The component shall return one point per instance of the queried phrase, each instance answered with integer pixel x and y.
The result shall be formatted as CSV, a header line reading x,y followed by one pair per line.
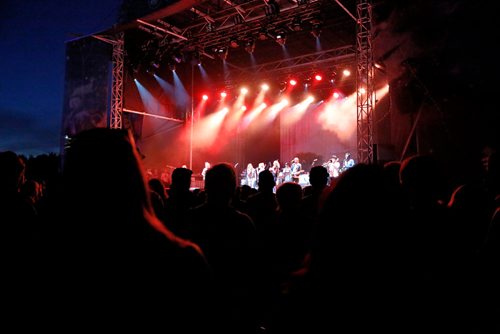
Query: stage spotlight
x,y
222,52
281,37
171,66
250,45
316,25
293,82
262,34
196,58
223,94
307,82
333,75
177,56
283,86
244,90
296,24
234,43
205,97
265,87
380,66
346,72
316,30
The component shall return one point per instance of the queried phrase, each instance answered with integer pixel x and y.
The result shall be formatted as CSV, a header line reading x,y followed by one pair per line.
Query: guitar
x,y
296,174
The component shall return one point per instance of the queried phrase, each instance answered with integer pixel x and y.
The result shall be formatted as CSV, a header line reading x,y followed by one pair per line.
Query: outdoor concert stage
x,y
244,82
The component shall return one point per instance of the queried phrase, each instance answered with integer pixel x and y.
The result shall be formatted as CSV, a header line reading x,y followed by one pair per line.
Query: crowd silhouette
x,y
393,248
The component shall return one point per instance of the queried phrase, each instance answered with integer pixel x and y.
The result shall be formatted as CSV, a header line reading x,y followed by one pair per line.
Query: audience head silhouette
x,y
114,248
11,172
318,176
103,177
181,179
220,184
266,180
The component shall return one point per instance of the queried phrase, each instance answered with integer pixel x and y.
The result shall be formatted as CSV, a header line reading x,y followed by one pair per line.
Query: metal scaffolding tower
x,y
117,85
116,112
365,95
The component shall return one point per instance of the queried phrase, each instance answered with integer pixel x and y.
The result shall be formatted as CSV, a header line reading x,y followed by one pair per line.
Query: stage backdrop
x,y
320,132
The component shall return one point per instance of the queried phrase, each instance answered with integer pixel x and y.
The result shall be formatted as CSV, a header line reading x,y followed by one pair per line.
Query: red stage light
x,y
205,97
293,82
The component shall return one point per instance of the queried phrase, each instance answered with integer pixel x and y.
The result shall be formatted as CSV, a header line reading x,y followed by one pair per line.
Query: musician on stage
x,y
348,162
251,176
296,169
205,169
260,168
333,167
287,176
275,170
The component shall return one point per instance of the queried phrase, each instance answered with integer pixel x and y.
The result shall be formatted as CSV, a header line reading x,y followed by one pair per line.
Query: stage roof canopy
x,y
250,36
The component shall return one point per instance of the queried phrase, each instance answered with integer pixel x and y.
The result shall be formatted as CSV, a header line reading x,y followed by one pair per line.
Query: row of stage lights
x,y
290,83
263,88
316,77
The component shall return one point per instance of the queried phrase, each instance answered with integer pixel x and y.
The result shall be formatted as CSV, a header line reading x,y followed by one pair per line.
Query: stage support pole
x,y
192,120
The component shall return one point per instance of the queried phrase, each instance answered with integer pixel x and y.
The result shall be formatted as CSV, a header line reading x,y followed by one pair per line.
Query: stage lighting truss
x,y
222,29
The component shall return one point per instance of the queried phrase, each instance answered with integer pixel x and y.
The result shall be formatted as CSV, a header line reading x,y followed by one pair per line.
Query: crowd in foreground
x,y
381,248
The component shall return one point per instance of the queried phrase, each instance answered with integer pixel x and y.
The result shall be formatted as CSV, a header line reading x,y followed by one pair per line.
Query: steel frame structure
x,y
213,30
242,22
237,21
304,63
365,93
116,112
117,58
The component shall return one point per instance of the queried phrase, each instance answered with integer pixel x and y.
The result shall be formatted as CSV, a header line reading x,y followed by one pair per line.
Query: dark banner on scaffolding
x,y
86,86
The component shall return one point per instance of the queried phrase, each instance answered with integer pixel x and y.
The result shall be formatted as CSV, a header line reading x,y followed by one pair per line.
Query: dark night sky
x,y
32,43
